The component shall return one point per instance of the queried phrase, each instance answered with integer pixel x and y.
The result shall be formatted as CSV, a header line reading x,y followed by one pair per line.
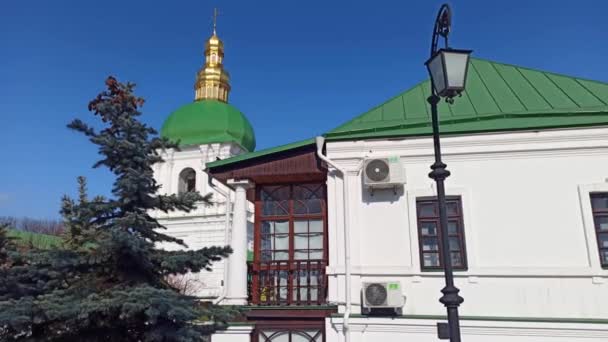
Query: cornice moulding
x,y
473,327
513,142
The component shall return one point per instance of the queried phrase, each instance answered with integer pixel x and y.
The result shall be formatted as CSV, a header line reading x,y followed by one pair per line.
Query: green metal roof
x,y
498,97
209,121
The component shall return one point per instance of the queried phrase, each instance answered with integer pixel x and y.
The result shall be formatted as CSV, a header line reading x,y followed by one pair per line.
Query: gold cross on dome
x,y
215,13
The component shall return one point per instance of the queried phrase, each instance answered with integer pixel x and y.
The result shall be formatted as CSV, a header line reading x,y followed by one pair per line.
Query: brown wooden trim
x,y
289,314
298,165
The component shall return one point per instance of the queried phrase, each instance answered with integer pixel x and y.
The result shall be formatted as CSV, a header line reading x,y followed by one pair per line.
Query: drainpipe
x,y
320,141
227,232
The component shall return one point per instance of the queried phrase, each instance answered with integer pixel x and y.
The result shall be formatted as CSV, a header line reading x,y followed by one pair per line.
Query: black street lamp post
x,y
447,69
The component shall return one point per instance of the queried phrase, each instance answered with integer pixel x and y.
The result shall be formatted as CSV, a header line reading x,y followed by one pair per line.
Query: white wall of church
x,y
207,225
530,239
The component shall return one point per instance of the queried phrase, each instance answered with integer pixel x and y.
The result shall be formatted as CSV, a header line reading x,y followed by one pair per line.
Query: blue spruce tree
x,y
107,282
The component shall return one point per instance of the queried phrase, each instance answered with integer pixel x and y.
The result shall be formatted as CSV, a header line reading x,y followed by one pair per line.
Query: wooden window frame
x,y
599,212
291,266
460,232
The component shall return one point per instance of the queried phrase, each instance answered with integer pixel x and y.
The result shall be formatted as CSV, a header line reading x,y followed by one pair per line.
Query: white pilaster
x,y
237,261
170,161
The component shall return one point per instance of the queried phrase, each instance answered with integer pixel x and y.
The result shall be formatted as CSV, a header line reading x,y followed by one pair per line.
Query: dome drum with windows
x,y
210,119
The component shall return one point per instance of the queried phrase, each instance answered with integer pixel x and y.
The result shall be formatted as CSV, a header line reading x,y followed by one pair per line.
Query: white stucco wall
x,y
206,225
236,333
425,330
530,241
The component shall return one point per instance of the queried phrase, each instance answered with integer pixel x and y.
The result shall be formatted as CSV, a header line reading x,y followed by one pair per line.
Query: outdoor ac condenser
x,y
382,298
382,173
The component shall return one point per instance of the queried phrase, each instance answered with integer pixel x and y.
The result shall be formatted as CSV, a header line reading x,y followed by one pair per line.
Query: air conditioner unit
x,y
379,173
382,298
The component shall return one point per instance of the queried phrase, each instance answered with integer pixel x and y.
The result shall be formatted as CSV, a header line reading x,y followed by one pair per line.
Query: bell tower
x,y
208,129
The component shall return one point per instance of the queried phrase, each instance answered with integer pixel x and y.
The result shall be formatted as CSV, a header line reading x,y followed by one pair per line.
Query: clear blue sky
x,y
298,68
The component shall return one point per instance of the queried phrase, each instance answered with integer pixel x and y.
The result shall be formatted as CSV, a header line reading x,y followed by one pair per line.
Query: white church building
x,y
313,226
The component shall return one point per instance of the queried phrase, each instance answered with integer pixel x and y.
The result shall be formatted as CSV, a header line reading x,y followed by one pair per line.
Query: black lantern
x,y
448,70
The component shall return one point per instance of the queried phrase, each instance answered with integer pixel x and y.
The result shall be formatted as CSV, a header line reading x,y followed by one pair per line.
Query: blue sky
x,y
298,68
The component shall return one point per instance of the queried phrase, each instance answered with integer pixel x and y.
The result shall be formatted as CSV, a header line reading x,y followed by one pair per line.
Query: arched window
x,y
293,335
187,180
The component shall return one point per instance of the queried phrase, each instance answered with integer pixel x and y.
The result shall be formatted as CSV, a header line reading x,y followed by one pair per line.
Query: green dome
x,y
209,121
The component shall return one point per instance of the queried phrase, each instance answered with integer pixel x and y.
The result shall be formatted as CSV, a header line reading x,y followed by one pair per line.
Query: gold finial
x,y
212,81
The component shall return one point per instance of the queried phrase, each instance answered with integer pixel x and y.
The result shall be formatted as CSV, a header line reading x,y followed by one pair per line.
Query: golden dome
x,y
214,40
212,81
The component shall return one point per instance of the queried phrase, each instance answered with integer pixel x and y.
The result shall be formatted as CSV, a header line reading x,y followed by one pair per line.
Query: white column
x,y
237,261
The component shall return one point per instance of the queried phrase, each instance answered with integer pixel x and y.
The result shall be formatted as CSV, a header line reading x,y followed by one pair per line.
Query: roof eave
x,y
252,156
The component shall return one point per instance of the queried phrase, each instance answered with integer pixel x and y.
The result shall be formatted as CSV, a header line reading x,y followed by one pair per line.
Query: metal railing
x,y
287,282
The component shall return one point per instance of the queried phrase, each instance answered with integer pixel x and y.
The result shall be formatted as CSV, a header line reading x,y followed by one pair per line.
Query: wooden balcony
x,y
287,283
